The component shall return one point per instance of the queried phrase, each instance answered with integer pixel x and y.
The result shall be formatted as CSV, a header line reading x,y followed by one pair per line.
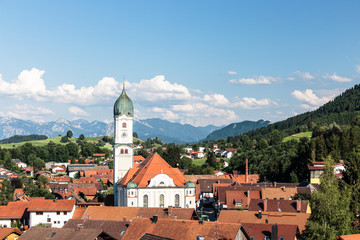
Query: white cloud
x,y
30,84
27,112
232,72
304,75
158,88
216,99
253,103
255,80
77,111
310,98
337,78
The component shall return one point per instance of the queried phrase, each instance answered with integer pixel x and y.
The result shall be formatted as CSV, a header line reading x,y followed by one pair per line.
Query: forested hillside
x,y
340,110
21,138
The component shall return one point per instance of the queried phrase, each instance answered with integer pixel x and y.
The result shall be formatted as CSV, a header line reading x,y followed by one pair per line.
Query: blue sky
x,y
197,62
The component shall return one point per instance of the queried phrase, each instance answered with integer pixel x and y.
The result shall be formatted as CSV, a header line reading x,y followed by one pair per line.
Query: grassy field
x,y
199,162
56,140
298,136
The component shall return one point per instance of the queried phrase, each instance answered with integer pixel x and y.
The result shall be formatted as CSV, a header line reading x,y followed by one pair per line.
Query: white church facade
x,y
154,183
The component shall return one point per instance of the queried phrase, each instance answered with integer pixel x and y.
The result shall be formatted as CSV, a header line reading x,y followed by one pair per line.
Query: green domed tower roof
x,y
189,184
131,185
123,105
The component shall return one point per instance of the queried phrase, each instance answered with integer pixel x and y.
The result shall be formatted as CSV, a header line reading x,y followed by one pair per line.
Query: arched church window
x,y
146,200
126,151
124,125
177,200
161,200
122,151
161,183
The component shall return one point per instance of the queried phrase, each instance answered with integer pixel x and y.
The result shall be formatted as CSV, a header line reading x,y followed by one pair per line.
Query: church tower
x,y
123,139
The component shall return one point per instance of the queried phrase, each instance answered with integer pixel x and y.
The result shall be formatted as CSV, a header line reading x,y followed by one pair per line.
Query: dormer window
x,y
161,183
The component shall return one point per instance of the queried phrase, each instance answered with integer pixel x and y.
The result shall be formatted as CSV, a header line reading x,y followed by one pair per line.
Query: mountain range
x,y
168,132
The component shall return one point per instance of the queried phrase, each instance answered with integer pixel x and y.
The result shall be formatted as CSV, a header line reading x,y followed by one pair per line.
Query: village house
x,y
19,163
14,212
272,205
261,231
234,216
115,229
54,213
41,233
157,228
9,233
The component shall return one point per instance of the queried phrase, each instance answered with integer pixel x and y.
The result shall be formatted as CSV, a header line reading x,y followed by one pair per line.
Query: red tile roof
x,y
152,166
119,213
261,230
78,213
181,229
88,191
14,210
85,180
349,237
5,232
51,205
235,216
273,205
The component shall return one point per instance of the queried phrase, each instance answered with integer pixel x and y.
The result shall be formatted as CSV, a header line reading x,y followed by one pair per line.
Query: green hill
x,y
341,110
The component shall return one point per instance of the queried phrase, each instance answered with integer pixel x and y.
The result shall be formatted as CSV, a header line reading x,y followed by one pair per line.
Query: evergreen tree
x,y
352,179
211,160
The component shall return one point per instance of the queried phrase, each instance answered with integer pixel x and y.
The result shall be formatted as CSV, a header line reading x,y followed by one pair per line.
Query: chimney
x,y
274,184
248,197
170,208
265,205
201,222
124,218
298,205
235,173
274,231
154,219
246,170
259,215
55,200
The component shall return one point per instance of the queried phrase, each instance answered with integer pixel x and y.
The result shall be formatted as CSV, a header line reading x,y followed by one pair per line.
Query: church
x,y
153,183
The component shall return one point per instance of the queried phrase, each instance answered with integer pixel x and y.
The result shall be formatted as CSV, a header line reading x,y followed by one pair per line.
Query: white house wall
x,y
5,222
56,220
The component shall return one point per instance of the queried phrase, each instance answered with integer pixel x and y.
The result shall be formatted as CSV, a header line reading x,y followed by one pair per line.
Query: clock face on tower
x,y
124,135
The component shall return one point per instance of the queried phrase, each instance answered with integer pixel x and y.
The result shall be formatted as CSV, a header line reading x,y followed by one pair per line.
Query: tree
x,y
142,152
37,163
64,139
73,150
81,137
88,149
352,179
172,155
69,134
135,135
276,137
211,160
6,192
330,209
38,188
